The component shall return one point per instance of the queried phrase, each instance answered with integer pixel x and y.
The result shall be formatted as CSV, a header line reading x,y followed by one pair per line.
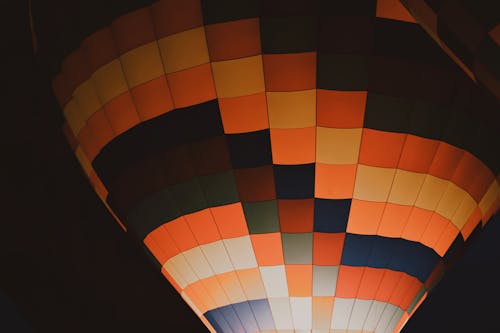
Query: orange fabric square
x,y
173,16
181,234
190,293
445,161
334,181
121,113
197,288
293,145
394,220
133,30
388,284
411,293
203,226
232,286
251,282
482,180
235,39
299,280
255,184
341,109
244,113
296,215
88,143
152,98
471,223
381,149
417,154
155,249
417,223
435,228
164,241
290,72
447,237
268,249
322,308
230,220
348,281
192,86
98,186
101,129
394,10
327,248
402,288
215,290
466,171
368,286
364,217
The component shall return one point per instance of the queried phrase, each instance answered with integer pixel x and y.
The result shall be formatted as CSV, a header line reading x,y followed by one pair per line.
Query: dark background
x,y
66,266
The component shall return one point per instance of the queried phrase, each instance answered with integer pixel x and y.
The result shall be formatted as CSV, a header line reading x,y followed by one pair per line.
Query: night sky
x,y
66,266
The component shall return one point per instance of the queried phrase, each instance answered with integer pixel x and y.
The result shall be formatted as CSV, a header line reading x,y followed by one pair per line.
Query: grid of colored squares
x,y
242,268
278,187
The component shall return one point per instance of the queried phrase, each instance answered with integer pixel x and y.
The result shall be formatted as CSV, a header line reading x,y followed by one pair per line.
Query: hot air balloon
x,y
292,166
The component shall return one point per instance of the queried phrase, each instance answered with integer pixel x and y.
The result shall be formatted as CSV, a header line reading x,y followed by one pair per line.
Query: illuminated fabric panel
x,y
292,168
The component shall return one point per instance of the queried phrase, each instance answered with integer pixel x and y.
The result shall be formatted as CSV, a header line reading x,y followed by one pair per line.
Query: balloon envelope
x,y
307,166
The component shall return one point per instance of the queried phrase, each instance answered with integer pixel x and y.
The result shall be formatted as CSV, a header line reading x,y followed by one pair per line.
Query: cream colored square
x,y
216,255
87,98
239,77
74,116
274,279
301,313
342,308
373,183
184,50
337,145
292,109
241,252
374,315
358,315
431,192
406,187
175,274
282,314
142,64
450,201
198,262
182,267
464,211
110,81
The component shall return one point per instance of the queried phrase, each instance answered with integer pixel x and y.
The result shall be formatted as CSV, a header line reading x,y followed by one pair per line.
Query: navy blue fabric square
x,y
294,181
245,313
357,249
217,320
331,215
232,318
